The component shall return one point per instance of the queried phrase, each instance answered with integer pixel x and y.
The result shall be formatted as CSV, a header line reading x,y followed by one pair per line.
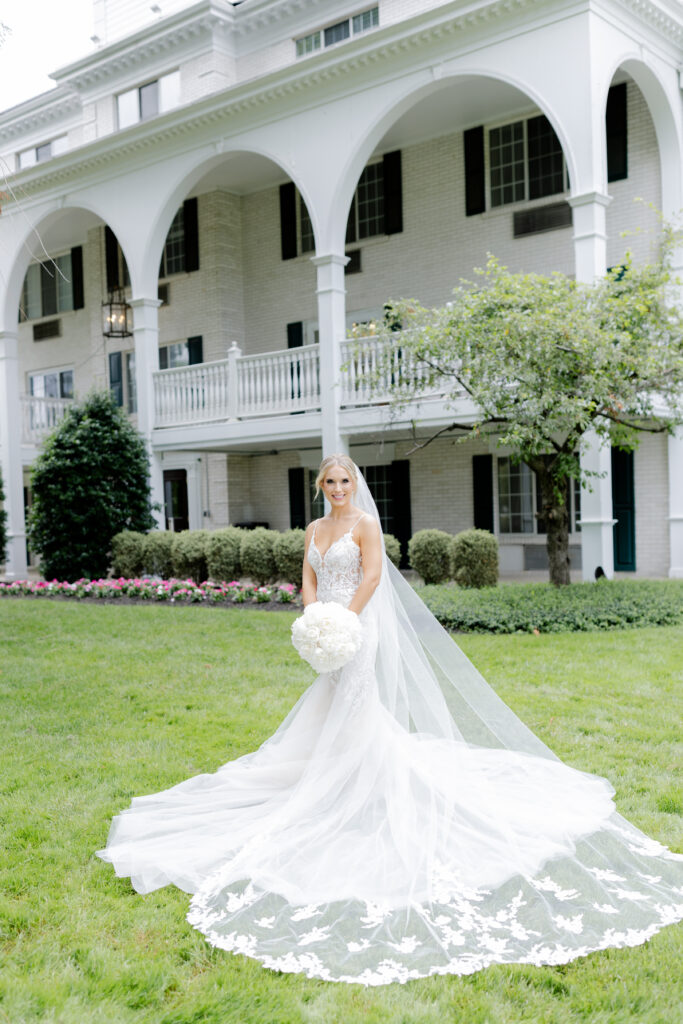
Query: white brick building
x,y
274,171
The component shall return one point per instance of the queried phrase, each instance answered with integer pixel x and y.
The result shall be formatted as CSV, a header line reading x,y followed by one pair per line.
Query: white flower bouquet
x,y
327,635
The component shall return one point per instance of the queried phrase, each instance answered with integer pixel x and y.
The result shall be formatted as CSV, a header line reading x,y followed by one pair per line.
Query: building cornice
x,y
381,47
143,47
45,110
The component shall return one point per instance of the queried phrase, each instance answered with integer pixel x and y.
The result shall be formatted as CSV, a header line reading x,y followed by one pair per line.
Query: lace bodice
x,y
339,573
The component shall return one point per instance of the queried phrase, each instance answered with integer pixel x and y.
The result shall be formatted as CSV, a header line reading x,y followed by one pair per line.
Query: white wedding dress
x,y
353,846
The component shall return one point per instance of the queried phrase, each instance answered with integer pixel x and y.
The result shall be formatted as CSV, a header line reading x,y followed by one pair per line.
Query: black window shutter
x,y
401,513
116,377
295,334
194,350
351,223
48,289
191,229
288,220
482,491
393,193
111,253
77,277
163,357
617,133
475,181
297,498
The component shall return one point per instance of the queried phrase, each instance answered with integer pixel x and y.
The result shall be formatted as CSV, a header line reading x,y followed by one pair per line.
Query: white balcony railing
x,y
373,368
40,416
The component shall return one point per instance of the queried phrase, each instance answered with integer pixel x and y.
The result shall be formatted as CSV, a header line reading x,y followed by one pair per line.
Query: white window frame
x,y
129,102
314,42
29,157
524,120
36,375
574,506
64,282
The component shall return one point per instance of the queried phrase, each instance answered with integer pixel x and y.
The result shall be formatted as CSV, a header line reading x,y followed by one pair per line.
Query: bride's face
x,y
338,487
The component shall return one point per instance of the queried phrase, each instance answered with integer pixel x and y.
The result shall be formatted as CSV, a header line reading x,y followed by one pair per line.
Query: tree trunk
x,y
554,494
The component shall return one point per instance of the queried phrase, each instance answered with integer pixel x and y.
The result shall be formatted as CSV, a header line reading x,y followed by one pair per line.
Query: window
x,y
148,100
173,258
520,503
305,228
515,497
46,150
181,353
54,286
366,216
525,162
52,384
122,382
338,32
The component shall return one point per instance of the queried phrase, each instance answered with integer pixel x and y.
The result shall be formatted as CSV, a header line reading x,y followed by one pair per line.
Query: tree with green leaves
x,y
90,482
547,362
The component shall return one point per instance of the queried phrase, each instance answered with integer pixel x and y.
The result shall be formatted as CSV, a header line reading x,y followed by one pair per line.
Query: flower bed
x,y
172,591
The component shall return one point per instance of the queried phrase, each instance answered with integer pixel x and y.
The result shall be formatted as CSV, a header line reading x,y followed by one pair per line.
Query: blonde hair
x,y
344,461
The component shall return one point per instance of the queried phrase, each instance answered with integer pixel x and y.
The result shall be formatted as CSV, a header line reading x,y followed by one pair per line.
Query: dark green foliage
x,y
393,548
89,483
256,554
3,524
474,558
429,553
223,554
288,551
188,555
579,607
127,550
156,554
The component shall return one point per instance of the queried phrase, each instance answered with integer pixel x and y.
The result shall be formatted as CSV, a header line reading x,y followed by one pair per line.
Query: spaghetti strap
x,y
361,516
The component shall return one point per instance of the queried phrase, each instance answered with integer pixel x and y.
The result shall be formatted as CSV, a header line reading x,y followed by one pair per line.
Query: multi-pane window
x,y
122,382
131,383
515,497
181,353
46,150
52,384
525,161
148,100
173,258
305,228
337,33
378,479
369,202
520,505
47,288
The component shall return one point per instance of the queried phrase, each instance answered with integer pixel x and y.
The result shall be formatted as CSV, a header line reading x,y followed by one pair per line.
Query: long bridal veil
x,y
418,828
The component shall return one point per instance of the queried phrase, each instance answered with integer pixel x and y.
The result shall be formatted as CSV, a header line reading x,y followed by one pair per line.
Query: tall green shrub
x,y
429,553
89,483
474,555
288,550
393,548
223,554
256,554
188,555
127,550
3,524
156,553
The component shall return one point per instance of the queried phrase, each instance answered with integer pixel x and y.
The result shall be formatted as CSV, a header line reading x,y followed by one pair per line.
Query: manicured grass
x,y
99,703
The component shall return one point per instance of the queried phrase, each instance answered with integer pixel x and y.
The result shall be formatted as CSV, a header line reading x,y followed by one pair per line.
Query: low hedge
x,y
157,554
288,552
542,608
429,553
474,558
188,555
256,554
223,554
127,550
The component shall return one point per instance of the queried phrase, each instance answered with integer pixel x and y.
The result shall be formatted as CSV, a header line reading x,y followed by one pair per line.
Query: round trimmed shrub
x,y
256,554
429,553
127,554
157,553
223,554
188,555
393,548
288,551
474,558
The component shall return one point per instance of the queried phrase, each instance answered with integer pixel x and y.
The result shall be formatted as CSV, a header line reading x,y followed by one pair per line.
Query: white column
x,y
590,235
331,292
16,567
597,524
590,262
676,505
146,335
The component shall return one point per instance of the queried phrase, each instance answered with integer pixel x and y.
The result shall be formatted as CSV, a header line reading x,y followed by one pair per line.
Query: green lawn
x,y
99,703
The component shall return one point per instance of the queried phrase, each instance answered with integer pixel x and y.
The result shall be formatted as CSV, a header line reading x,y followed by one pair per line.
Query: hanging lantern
x,y
116,316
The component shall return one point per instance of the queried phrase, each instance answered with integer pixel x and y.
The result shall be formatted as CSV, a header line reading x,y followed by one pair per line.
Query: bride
x,y
402,821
